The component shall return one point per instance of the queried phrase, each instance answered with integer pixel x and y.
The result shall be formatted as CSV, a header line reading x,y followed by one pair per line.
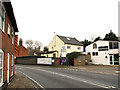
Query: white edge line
x,y
33,80
74,78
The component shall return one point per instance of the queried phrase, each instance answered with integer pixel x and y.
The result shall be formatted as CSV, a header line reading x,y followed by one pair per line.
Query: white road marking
x,y
33,80
75,78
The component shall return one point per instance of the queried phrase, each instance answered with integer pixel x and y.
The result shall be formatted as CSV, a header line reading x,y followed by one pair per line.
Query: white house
x,y
104,52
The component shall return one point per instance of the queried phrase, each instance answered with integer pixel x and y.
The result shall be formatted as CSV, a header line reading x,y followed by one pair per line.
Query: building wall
x,y
7,47
103,57
22,51
57,44
74,48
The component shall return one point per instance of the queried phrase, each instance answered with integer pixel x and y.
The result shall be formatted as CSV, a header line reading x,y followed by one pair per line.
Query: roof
x,y
70,40
10,14
106,41
49,52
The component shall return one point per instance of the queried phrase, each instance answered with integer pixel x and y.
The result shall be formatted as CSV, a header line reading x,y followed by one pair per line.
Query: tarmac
x,y
20,81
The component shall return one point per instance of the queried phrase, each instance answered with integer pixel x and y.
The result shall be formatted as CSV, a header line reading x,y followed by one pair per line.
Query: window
x,y
52,48
113,45
68,38
9,29
95,53
68,47
13,36
63,49
88,53
78,48
103,48
94,46
110,45
1,64
2,20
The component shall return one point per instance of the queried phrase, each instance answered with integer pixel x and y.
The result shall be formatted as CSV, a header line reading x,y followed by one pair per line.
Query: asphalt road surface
x,y
51,77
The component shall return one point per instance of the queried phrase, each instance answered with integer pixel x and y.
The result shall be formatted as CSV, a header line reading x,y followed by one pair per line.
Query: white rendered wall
x,y
103,56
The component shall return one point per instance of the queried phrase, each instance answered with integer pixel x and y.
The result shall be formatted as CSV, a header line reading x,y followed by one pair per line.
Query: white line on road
x,y
74,78
33,80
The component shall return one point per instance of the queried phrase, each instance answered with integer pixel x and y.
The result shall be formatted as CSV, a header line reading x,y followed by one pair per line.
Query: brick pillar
x,y
74,61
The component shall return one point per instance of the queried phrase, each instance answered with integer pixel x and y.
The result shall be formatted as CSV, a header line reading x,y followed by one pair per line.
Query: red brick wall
x,y
7,47
22,51
57,61
74,61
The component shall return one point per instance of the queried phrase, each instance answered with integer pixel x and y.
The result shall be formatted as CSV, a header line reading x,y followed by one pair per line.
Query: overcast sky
x,y
39,19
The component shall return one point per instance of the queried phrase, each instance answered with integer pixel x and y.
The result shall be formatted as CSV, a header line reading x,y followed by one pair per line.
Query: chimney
x,y
20,42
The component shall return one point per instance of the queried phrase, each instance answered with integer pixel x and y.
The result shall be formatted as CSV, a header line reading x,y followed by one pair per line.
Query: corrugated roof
x,y
70,40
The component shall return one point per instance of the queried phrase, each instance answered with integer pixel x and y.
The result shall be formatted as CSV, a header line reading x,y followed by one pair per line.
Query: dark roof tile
x,y
70,40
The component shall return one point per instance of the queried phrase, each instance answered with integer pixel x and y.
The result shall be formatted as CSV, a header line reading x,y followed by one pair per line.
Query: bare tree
x,y
29,43
92,37
34,47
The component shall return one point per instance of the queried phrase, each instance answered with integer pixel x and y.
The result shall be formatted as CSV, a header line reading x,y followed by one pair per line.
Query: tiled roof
x,y
9,9
70,40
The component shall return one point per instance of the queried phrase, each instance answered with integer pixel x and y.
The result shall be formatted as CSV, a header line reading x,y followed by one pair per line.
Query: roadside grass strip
x,y
33,81
76,78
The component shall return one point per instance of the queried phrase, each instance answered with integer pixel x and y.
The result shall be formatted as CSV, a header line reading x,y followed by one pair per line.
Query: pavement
x,y
21,81
101,69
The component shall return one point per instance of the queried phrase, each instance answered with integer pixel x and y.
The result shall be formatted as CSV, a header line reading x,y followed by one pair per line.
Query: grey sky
x,y
39,19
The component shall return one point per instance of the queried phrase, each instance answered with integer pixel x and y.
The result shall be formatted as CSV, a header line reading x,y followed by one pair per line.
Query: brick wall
x,y
81,60
22,51
57,61
7,47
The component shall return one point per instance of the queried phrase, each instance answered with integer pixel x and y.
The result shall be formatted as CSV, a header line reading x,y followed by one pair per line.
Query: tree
x,y
29,44
98,38
111,36
92,37
45,49
86,43
33,47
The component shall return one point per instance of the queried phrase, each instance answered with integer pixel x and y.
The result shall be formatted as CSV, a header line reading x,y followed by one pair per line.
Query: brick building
x,y
22,51
8,27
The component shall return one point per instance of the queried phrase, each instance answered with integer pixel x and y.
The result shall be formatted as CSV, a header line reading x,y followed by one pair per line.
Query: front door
x,y
8,68
111,59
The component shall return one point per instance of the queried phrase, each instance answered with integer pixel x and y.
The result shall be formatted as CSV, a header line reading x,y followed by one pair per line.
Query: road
x,y
52,77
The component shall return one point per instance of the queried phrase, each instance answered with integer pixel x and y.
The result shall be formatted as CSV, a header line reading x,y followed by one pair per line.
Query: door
x,y
12,65
116,59
8,67
111,59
